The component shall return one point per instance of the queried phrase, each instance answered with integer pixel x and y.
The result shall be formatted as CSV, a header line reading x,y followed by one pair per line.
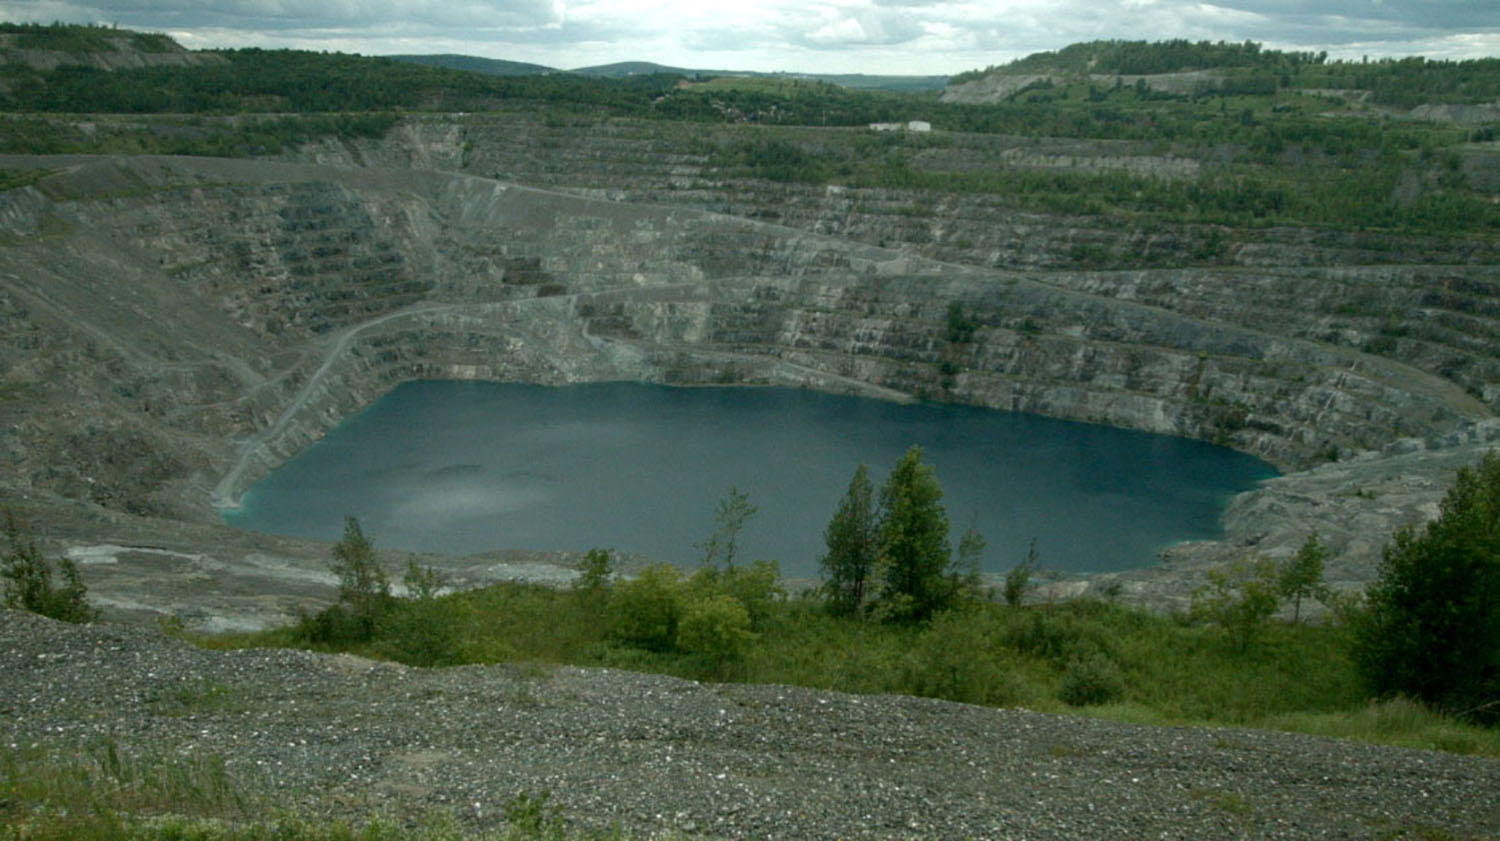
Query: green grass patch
x,y
1086,657
10,179
108,791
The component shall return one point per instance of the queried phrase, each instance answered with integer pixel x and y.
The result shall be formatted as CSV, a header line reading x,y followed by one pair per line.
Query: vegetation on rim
x,y
1224,663
1268,144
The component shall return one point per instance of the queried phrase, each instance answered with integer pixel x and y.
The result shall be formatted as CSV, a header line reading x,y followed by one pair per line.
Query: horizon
x,y
869,37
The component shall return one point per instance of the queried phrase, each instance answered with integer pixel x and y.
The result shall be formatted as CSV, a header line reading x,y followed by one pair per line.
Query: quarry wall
x,y
176,327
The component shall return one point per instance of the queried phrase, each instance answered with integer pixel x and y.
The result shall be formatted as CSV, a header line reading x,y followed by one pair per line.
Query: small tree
x,y
968,578
1302,575
29,584
1432,627
1018,579
961,325
363,586
1239,598
849,564
421,583
594,573
913,537
729,518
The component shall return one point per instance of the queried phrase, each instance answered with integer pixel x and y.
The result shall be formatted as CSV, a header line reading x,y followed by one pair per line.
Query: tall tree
x,y
1432,629
913,542
849,564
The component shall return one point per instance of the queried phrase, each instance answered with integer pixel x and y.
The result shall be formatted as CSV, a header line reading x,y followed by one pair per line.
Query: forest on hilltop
x,y
1278,138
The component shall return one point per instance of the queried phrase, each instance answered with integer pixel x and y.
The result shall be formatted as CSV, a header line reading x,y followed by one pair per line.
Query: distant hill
x,y
475,64
626,69
1181,68
853,81
862,82
644,68
45,47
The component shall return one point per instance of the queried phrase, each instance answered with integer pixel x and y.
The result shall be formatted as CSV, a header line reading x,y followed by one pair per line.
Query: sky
x,y
908,37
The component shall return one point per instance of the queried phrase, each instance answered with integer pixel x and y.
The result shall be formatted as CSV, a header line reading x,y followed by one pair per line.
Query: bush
x,y
644,611
1432,630
1091,681
957,658
716,628
422,630
1302,576
535,816
1061,634
594,573
1239,598
756,587
29,584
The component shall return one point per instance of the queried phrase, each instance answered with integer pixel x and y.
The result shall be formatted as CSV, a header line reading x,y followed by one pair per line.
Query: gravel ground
x,y
341,735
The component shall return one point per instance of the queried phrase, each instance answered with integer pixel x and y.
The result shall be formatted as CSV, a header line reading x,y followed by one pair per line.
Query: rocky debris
x,y
339,736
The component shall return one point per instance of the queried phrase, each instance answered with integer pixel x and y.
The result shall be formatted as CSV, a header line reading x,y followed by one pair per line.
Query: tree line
x,y
1250,68
1425,629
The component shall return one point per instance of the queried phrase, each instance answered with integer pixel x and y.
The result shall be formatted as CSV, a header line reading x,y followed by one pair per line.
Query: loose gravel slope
x,y
340,735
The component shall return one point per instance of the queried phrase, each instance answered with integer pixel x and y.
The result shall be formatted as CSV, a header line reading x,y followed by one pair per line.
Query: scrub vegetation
x,y
31,581
1226,662
1273,138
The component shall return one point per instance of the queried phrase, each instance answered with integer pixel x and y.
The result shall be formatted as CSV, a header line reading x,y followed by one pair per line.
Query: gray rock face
x,y
174,328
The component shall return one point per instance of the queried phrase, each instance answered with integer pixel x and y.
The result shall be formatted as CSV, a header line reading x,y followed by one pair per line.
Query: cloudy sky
x,y
843,36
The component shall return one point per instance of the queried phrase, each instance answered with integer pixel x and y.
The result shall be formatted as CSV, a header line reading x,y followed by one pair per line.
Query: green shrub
x,y
1302,576
1059,634
957,657
1239,598
535,817
644,611
1091,681
757,587
1018,578
421,629
29,584
716,628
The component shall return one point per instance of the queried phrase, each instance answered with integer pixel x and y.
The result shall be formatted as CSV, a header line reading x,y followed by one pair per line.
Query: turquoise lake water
x,y
464,467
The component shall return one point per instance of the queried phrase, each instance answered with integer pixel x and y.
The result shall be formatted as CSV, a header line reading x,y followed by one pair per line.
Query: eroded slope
x,y
175,327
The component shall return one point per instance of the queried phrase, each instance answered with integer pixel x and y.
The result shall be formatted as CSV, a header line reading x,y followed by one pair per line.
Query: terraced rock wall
x,y
174,328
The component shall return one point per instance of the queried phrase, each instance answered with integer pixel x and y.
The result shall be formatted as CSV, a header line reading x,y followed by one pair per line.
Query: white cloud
x,y
872,36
